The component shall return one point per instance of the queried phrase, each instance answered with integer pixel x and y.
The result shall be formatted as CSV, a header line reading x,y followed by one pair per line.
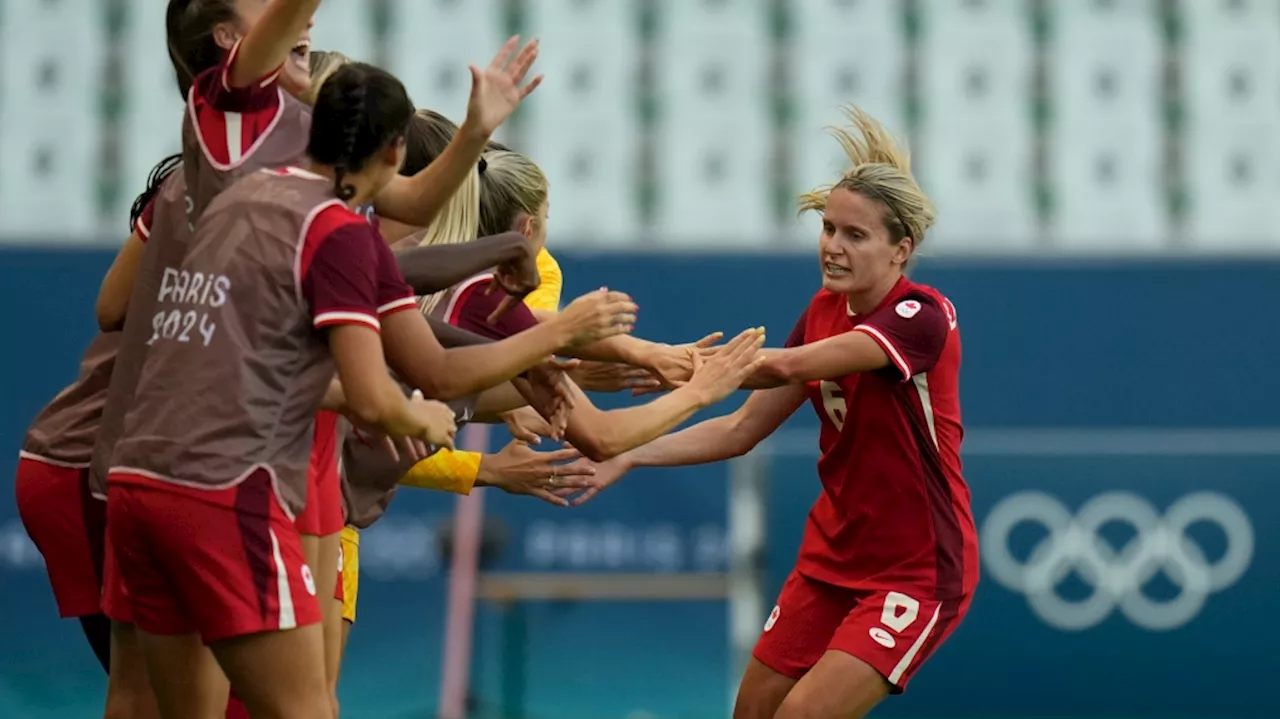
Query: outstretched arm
x,y
439,267
603,435
714,440
724,437
416,355
832,357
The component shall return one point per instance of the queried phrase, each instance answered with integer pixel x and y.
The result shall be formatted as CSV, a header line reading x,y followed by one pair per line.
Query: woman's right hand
x,y
598,315
435,420
718,376
517,469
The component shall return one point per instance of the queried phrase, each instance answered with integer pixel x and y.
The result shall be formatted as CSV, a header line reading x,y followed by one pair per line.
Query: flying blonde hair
x,y
881,171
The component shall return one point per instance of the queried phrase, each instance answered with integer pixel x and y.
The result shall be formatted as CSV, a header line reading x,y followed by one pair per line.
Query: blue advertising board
x,y
1121,449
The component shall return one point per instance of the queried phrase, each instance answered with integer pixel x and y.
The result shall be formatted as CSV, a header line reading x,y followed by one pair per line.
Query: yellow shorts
x,y
350,572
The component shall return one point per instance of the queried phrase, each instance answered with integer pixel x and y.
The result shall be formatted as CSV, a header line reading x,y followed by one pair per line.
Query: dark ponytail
x,y
189,26
162,170
359,110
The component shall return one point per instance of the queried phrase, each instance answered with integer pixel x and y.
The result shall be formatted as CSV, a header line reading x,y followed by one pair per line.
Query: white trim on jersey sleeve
x,y
346,317
396,305
302,243
462,288
894,355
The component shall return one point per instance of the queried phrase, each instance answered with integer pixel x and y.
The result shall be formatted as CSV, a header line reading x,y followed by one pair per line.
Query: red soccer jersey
x,y
894,510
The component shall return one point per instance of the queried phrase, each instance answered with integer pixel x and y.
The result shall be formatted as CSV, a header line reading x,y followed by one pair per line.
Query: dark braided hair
x,y
353,100
162,170
359,110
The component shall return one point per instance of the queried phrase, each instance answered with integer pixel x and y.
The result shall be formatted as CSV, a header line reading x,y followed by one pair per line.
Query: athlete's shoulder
x,y
915,291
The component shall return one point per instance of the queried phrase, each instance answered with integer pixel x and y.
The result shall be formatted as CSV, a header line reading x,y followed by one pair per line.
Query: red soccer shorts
x,y
68,526
322,514
221,563
894,632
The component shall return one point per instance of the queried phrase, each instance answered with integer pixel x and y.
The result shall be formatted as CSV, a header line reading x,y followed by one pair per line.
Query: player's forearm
x,y
417,200
439,267
626,349
604,435
497,400
450,336
620,348
776,370
468,370
705,442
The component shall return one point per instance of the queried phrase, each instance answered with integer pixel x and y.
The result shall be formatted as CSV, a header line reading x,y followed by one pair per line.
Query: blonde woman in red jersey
x,y
889,560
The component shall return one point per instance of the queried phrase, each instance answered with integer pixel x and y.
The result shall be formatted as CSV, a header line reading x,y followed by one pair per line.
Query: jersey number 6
x,y
833,402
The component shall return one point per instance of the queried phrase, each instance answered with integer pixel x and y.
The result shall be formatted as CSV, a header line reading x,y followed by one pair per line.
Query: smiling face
x,y
856,250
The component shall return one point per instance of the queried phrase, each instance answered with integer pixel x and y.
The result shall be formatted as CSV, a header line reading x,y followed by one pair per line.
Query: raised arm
x,y
267,45
495,94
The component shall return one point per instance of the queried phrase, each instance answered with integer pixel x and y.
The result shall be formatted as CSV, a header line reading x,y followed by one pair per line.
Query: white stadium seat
x,y
581,126
51,136
151,125
1232,159
1105,151
974,155
715,140
841,53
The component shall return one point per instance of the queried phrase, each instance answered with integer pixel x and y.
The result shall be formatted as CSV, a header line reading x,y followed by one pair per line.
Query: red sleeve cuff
x,y
895,356
404,303
333,318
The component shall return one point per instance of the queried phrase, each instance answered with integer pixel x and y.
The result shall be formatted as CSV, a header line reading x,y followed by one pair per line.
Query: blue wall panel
x,y
1156,346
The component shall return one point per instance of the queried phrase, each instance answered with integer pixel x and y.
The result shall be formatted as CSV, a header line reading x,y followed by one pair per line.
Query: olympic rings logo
x,y
1117,576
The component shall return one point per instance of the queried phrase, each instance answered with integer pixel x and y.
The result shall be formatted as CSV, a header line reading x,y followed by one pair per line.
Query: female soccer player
x,y
219,432
889,561
65,521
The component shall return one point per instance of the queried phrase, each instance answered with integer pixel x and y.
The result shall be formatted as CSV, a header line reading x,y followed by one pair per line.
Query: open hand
x,y
497,91
518,469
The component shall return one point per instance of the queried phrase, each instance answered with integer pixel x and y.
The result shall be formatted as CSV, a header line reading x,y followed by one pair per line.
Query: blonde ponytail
x,y
881,171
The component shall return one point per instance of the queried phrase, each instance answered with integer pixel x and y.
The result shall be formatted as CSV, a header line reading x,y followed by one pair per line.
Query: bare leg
x,y
188,682
840,686
278,675
761,692
129,694
326,571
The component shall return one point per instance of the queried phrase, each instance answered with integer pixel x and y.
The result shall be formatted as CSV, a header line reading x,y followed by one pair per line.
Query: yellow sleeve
x,y
547,296
445,471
